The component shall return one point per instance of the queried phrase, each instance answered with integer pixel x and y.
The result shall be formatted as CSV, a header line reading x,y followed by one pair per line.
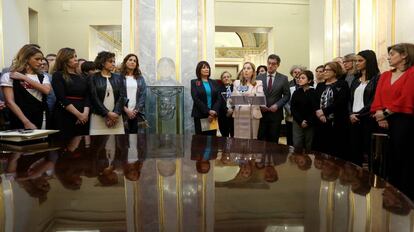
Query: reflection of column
x,y
2,208
376,209
131,199
341,207
360,212
322,205
311,218
7,205
206,200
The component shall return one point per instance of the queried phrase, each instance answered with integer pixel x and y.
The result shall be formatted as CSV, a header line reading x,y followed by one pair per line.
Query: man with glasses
x,y
276,89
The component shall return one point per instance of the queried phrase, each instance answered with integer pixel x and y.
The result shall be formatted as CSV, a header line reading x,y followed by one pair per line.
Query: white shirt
x,y
131,87
359,98
7,81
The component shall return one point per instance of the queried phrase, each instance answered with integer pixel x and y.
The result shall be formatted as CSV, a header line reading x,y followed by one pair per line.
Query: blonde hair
x,y
222,74
22,57
243,80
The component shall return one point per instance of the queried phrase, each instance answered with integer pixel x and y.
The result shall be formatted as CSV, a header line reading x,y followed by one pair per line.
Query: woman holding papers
x,y
25,89
246,118
206,100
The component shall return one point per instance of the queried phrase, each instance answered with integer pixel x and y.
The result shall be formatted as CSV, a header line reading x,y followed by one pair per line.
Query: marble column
x,y
182,30
349,26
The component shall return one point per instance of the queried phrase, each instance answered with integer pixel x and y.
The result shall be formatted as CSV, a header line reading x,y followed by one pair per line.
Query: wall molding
x,y
278,2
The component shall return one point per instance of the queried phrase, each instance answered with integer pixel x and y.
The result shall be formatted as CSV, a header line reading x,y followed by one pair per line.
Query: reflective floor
x,y
190,183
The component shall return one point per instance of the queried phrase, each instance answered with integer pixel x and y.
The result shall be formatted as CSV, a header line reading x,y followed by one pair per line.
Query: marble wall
x,y
181,30
352,26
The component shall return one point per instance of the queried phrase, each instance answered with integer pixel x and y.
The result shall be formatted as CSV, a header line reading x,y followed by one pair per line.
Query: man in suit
x,y
276,88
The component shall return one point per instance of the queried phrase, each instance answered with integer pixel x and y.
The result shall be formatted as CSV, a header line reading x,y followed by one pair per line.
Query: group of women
x,y
85,104
211,101
338,116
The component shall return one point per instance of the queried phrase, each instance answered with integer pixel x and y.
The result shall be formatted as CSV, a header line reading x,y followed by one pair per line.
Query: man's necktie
x,y
269,84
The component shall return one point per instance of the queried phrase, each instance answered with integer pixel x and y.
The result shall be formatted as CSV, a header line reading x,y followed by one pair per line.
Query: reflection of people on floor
x,y
303,161
395,202
135,156
203,149
330,170
348,174
362,182
108,164
74,162
318,162
32,172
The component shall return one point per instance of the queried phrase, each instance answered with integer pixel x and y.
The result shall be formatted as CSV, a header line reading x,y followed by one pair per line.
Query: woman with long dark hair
x,y
393,106
25,89
107,97
135,91
362,94
71,112
206,98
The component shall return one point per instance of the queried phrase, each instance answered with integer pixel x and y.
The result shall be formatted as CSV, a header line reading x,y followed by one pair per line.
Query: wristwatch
x,y
385,113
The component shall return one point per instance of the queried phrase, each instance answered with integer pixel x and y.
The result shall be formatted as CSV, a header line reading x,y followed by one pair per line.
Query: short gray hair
x,y
301,67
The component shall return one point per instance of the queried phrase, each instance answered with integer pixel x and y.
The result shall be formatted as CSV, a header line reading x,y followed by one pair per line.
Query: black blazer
x,y
303,104
223,104
369,93
140,95
198,93
98,90
339,105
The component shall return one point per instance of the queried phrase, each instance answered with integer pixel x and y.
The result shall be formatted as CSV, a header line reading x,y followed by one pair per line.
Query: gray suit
x,y
270,123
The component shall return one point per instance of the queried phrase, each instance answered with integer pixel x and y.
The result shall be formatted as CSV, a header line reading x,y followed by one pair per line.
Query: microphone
x,y
243,88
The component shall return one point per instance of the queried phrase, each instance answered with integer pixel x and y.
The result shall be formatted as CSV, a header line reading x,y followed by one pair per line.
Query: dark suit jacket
x,y
198,93
279,95
369,93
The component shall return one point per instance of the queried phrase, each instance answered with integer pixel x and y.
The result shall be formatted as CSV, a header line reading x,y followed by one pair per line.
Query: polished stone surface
x,y
190,183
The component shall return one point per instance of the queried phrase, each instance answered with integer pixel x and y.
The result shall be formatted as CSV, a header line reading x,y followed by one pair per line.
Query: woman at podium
x,y
247,117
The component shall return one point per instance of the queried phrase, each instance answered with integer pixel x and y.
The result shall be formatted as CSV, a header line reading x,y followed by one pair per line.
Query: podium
x,y
250,101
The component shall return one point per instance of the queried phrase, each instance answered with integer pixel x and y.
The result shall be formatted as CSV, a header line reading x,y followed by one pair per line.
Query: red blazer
x,y
398,97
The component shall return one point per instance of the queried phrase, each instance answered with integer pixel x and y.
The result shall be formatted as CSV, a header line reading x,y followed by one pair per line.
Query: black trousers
x,y
360,139
289,133
401,153
132,126
197,127
226,126
269,131
332,138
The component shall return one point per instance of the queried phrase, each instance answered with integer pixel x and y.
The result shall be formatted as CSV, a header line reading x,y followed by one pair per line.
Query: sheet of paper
x,y
207,126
